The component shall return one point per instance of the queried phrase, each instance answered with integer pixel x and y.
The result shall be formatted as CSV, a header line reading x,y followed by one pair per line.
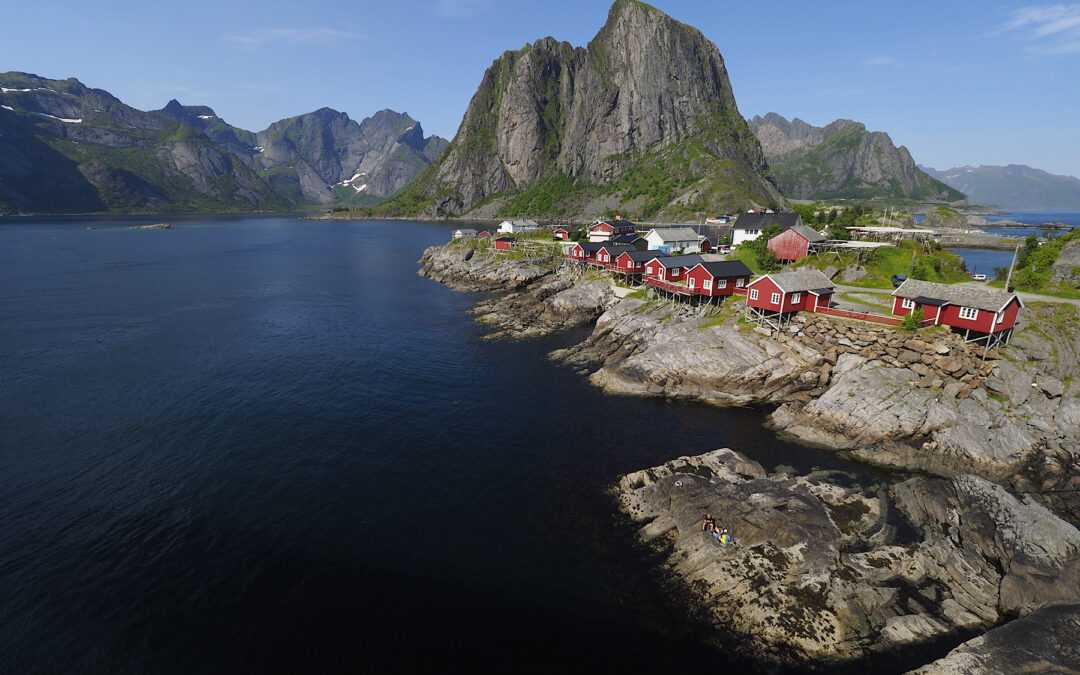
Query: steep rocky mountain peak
x,y
648,94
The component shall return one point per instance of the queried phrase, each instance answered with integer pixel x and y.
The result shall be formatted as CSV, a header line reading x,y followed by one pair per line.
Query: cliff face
x,y
647,94
843,159
67,148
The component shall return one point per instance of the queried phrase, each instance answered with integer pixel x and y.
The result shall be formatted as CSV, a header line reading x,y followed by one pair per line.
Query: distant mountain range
x,y
66,148
1012,187
641,122
843,160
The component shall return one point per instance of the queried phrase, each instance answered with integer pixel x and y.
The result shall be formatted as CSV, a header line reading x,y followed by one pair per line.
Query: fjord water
x,y
263,444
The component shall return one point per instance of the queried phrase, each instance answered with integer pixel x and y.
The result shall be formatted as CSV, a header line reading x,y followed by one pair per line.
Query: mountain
x,y
642,121
1012,187
843,160
66,148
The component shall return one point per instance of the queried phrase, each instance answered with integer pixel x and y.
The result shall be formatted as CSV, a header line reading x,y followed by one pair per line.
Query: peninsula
x,y
984,534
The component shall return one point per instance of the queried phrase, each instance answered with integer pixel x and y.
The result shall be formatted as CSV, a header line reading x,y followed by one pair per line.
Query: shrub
x,y
911,321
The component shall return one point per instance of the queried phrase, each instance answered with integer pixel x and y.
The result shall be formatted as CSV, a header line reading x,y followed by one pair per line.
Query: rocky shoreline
x,y
825,573
925,403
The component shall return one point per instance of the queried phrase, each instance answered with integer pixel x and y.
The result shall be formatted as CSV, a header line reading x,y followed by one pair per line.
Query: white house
x,y
464,232
517,226
748,226
673,239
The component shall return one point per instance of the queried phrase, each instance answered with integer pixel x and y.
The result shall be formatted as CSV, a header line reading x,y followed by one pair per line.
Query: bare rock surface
x,y
823,572
464,267
1045,641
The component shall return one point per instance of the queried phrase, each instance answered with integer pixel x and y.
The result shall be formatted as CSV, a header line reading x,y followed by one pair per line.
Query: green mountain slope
x,y
843,160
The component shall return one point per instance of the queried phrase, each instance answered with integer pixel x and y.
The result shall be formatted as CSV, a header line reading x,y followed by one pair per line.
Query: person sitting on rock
x,y
710,523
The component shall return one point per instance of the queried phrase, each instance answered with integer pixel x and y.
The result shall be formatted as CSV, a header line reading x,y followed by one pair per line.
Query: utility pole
x,y
1009,277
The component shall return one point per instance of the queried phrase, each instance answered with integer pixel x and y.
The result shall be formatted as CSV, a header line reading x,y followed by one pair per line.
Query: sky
x,y
959,82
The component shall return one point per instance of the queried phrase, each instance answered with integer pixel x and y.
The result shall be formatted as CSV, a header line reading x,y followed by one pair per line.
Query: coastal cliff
x,y
823,572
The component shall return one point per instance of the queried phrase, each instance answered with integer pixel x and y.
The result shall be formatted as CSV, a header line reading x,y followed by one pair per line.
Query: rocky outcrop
x,y
1066,269
843,159
647,90
1045,641
463,265
823,572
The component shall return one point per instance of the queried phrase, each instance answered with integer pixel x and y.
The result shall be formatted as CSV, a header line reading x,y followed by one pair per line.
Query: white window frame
x,y
774,299
740,282
721,283
969,313
707,284
795,297
753,294
908,303
690,281
1000,317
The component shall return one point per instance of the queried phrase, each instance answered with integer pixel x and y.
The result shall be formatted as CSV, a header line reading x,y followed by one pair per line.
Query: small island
x,y
156,226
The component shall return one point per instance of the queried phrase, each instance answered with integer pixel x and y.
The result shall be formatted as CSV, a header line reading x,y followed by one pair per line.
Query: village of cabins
x,y
678,263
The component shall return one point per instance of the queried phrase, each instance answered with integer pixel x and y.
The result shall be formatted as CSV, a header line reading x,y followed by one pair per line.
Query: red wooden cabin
x,y
607,253
788,292
563,233
795,242
718,278
633,261
990,314
505,243
606,230
670,268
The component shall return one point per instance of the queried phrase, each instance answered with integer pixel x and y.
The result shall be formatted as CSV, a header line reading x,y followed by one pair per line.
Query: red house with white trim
x,y
718,278
772,299
505,243
607,253
606,230
990,314
563,233
632,261
795,242
670,268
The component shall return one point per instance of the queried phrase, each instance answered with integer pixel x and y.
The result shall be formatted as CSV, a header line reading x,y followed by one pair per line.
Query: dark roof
x,y
822,291
626,238
592,245
615,248
727,268
935,302
622,222
641,256
686,261
759,221
506,239
958,294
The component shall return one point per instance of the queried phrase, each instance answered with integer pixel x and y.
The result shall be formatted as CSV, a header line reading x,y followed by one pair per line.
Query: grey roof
x,y
802,279
626,238
465,229
958,294
640,256
759,221
726,268
620,222
676,233
591,245
809,234
686,261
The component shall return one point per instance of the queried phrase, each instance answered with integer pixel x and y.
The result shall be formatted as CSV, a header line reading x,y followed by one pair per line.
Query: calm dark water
x,y
266,445
1034,218
983,261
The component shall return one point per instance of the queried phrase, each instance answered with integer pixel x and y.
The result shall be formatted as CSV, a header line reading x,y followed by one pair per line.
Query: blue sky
x,y
957,82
